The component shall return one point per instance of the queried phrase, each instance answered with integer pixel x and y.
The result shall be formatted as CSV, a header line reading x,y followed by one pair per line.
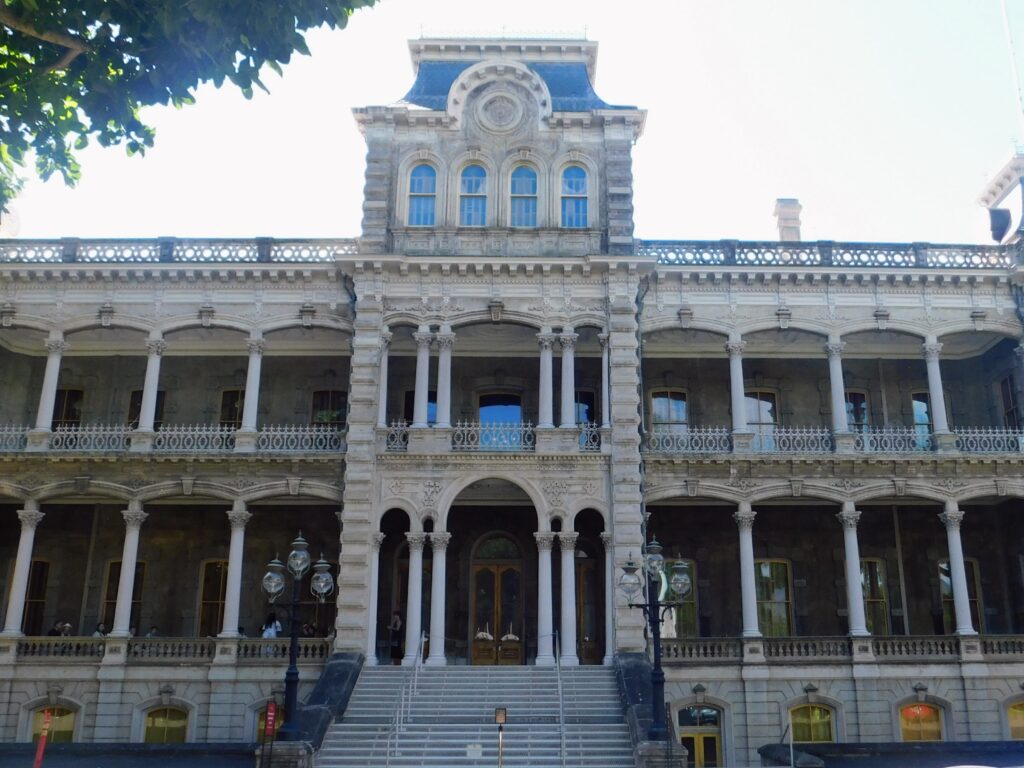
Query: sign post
x,y
41,747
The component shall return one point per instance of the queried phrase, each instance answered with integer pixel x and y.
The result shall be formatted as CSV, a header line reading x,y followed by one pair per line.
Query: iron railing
x,y
496,436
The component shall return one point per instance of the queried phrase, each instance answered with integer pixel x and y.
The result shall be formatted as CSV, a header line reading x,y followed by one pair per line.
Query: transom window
x,y
67,408
166,725
110,593
422,196
135,409
973,594
232,402
876,600
774,597
812,723
574,198
62,725
920,722
473,196
524,197
211,598
329,407
700,731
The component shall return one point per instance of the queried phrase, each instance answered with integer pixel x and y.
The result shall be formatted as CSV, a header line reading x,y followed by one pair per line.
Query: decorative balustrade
x,y
172,649
678,438
807,648
893,440
916,648
298,438
188,438
61,648
793,440
707,650
1010,646
12,437
496,436
397,438
590,437
690,253
983,440
171,250
91,437
311,650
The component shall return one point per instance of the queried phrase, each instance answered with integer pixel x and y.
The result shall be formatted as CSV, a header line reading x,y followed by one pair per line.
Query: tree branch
x,y
74,45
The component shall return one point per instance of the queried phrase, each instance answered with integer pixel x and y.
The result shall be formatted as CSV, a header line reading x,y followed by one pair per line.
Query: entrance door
x,y
588,612
497,603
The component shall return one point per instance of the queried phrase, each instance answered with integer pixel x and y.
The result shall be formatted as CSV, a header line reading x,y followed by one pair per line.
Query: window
x,y
574,198
668,410
409,406
920,722
67,408
500,408
812,724
762,417
922,406
686,608
524,197
261,723
1015,715
211,599
973,593
422,196
1008,395
135,409
774,598
857,413
876,601
232,401
700,731
62,725
110,593
330,407
166,725
586,408
35,598
473,196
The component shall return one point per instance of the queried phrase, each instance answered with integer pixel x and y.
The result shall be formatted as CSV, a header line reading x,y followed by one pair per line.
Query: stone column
x,y
238,517
849,517
744,518
545,619
382,382
245,438
567,542
376,539
414,607
439,544
834,350
155,348
30,517
609,599
606,406
134,517
737,391
568,341
936,397
445,340
952,518
421,398
55,348
545,397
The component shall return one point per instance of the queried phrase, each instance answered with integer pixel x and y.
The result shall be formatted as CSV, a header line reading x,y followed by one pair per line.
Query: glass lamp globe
x,y
654,561
630,582
273,579
299,559
680,581
321,584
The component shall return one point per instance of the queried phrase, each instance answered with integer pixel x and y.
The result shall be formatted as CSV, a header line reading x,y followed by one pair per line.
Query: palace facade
x,y
479,411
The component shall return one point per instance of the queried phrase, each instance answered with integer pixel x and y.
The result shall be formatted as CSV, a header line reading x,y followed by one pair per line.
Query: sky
x,y
885,118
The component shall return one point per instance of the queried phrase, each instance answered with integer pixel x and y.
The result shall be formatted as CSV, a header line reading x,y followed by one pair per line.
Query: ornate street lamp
x,y
631,584
321,585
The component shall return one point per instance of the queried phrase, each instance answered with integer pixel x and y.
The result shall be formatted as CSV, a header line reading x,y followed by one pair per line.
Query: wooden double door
x,y
497,611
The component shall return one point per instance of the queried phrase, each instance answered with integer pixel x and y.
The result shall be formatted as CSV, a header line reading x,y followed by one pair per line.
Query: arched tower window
x,y
422,196
524,197
574,198
473,196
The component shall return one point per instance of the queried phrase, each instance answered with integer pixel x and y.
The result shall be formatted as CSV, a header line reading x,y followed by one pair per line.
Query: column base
x,y
141,441
37,440
845,442
742,442
570,661
544,661
13,634
245,440
945,442
436,661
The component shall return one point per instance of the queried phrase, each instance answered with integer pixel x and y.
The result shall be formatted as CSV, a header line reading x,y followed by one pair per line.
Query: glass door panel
x,y
485,647
588,617
510,611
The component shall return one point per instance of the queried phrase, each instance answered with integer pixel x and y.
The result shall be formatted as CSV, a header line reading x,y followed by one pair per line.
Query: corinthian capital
x,y
56,346
544,540
952,518
835,349
546,340
156,346
423,338
416,541
744,517
30,516
931,351
134,517
256,346
735,348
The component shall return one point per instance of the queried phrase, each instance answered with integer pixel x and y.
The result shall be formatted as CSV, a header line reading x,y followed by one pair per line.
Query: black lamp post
x,y
273,584
631,584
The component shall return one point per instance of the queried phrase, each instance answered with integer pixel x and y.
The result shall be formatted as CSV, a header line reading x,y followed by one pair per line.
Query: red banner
x,y
270,723
41,748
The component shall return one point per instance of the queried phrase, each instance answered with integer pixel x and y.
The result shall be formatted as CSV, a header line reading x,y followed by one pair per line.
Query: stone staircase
x,y
451,719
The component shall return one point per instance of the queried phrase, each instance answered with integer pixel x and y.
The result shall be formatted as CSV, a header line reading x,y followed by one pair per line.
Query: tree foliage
x,y
72,71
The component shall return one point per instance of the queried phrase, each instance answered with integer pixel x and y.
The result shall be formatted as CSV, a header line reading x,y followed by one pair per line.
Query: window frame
x,y
972,567
874,601
811,708
161,708
699,733
940,714
1007,390
514,196
342,410
201,603
764,431
1015,707
766,629
37,603
239,392
62,403
673,426
415,195
851,424
474,198
582,199
109,605
35,730
135,408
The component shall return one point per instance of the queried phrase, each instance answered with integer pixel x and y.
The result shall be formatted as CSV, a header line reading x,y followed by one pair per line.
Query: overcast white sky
x,y
886,119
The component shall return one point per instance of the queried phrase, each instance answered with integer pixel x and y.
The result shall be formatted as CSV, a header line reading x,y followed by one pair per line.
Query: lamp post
x,y
632,585
321,585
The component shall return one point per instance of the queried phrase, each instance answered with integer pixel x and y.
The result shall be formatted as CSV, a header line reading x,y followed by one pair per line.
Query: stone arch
x,y
814,698
29,708
491,71
726,728
944,705
451,493
140,710
219,320
582,505
405,166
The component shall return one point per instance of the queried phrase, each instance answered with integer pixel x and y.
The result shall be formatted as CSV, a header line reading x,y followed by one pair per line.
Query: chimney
x,y
787,213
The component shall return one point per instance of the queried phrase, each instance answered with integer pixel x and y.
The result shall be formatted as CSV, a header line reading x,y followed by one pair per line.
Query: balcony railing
x,y
12,437
97,438
193,438
590,437
169,650
679,438
298,437
397,437
916,648
61,648
702,650
724,253
807,648
892,440
982,440
496,436
769,439
311,650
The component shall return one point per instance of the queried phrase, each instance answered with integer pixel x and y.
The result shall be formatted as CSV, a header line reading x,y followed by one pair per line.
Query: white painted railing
x,y
285,438
705,649
988,440
807,648
189,438
397,438
91,437
590,437
892,440
915,648
768,439
61,648
497,436
311,650
677,438
171,649
12,437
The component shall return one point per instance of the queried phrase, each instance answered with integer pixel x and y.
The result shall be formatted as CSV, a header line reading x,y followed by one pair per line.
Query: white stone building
x,y
481,408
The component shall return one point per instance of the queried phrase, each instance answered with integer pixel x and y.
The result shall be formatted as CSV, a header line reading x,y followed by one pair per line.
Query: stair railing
x,y
403,707
561,700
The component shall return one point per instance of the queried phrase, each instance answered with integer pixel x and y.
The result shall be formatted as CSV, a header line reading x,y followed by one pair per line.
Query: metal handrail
x,y
561,699
403,707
